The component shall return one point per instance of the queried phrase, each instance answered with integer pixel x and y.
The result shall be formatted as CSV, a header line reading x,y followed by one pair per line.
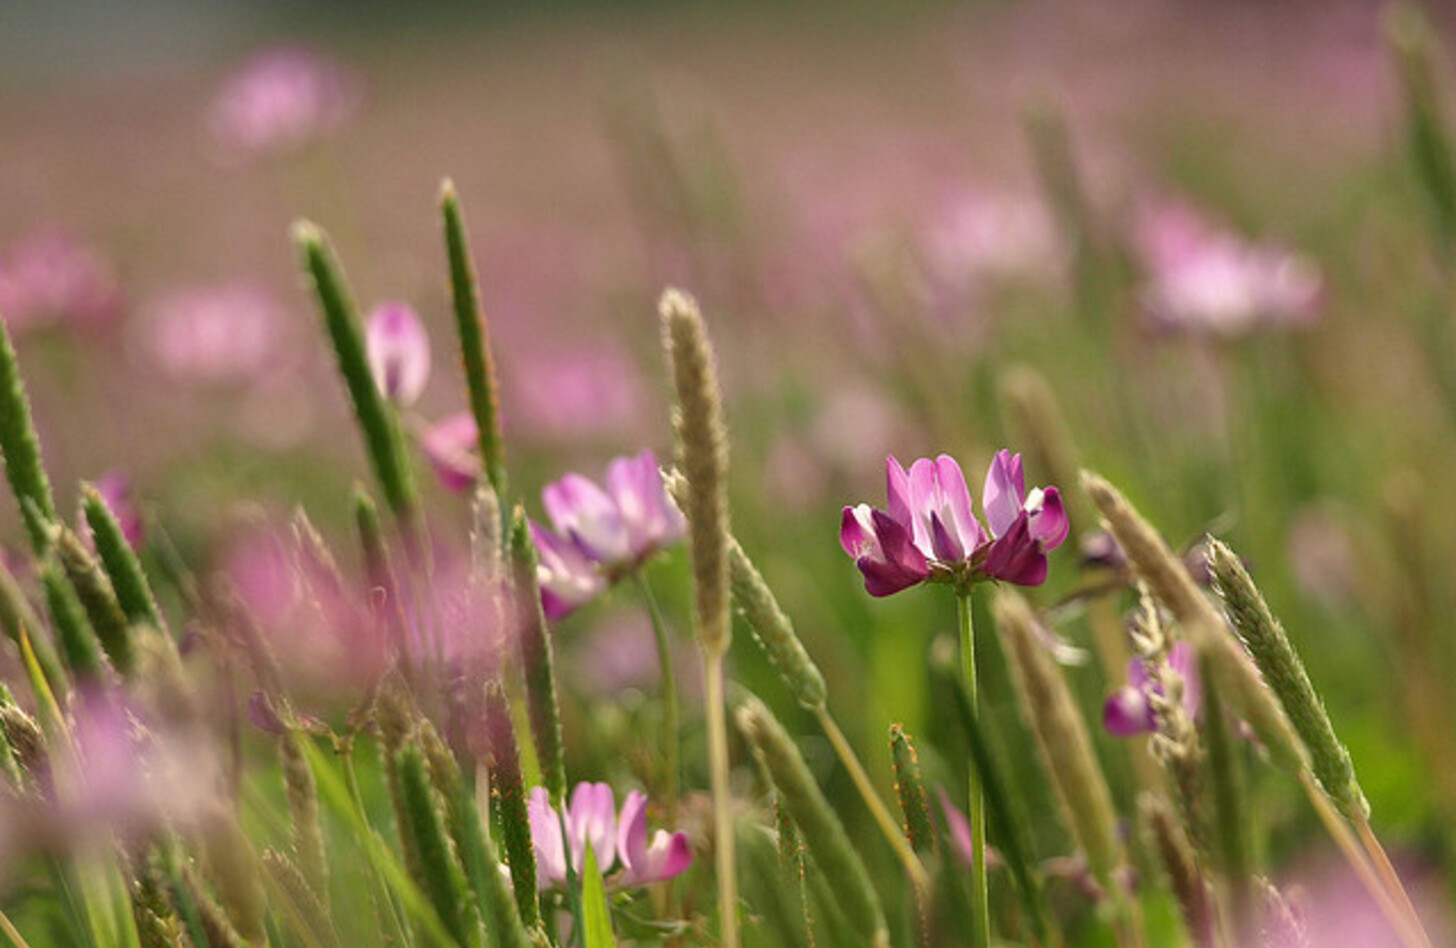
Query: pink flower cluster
x,y
928,532
619,840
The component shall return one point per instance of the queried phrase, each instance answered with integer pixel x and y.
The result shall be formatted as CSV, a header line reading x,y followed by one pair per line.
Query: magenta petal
x,y
398,349
652,521
946,547
924,500
855,537
957,497
1183,659
885,579
1004,493
669,856
578,508
897,491
896,547
1050,525
632,831
1127,713
1016,557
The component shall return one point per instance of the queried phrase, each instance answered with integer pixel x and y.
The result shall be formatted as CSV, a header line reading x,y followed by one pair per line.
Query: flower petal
x,y
1016,557
1004,492
1127,713
592,820
546,839
581,510
956,497
897,491
651,519
1049,524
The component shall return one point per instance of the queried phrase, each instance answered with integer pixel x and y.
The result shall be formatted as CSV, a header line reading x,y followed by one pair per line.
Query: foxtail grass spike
x,y
487,540
505,779
22,745
232,867
376,421
10,767
773,630
78,642
1414,45
702,444
441,878
309,913
1062,735
1171,585
99,600
475,348
214,921
495,902
120,561
827,841
910,790
1231,817
1285,675
303,811
19,444
537,663
703,456
16,615
1180,864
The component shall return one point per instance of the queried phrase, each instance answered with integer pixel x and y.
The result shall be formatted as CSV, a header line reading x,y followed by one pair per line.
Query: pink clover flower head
x,y
929,533
278,101
48,278
1129,712
399,352
607,531
1202,279
230,334
624,853
450,446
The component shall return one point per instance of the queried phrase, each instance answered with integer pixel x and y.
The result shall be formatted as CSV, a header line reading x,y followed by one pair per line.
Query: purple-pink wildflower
x,y
399,352
930,534
624,853
1129,712
449,445
231,334
279,100
602,534
47,278
1203,279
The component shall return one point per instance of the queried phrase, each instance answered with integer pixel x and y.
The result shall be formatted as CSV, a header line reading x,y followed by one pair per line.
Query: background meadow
x,y
1220,236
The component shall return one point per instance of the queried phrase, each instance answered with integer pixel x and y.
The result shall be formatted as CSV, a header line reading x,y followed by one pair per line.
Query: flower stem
x,y
722,797
976,811
892,830
669,700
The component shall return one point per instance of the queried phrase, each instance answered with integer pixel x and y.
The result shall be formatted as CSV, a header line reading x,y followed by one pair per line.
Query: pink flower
x,y
929,533
231,334
1202,279
450,444
1129,712
575,392
48,278
278,101
624,854
399,352
602,533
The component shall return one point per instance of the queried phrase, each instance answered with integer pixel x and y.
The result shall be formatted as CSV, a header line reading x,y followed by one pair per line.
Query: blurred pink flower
x,y
279,100
574,392
47,278
1203,279
450,447
619,841
1334,908
230,334
1130,712
601,534
399,351
977,234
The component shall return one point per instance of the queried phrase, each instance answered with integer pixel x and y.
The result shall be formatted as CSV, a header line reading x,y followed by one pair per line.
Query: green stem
x,y
976,811
669,700
718,765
